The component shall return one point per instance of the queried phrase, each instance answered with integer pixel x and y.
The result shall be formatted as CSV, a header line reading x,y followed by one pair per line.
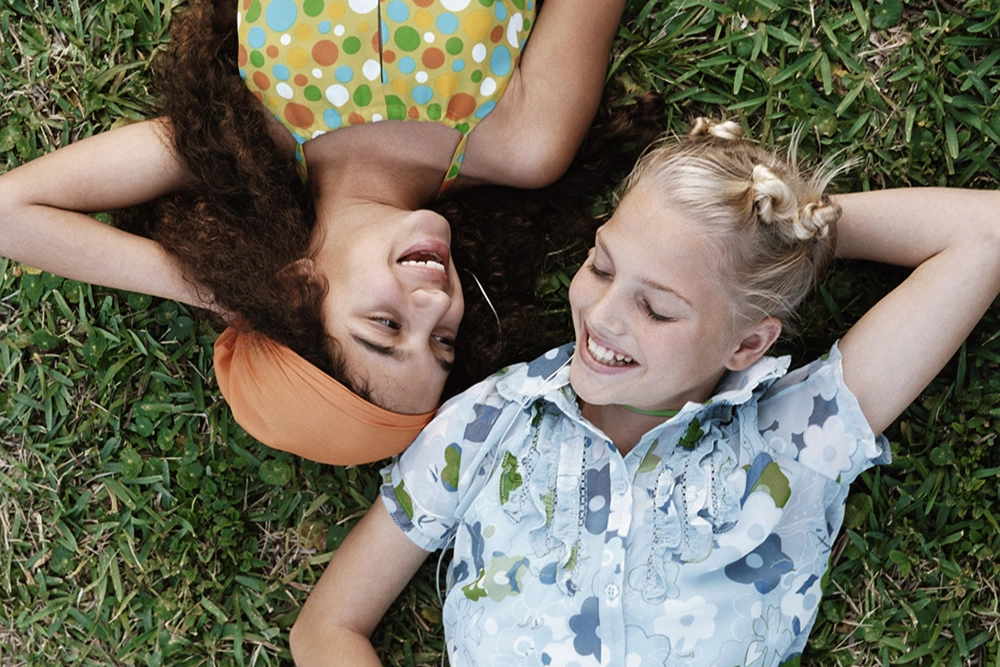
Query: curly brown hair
x,y
247,217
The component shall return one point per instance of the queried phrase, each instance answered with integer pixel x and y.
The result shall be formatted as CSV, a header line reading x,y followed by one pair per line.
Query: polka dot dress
x,y
319,65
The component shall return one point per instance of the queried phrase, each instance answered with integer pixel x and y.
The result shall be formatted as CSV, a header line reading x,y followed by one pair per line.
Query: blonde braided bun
x,y
775,227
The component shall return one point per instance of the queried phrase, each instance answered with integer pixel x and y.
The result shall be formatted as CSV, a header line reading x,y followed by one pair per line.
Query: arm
x,y
551,99
952,237
351,597
44,206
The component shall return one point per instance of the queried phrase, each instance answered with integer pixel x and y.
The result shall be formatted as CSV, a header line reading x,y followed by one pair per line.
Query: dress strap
x,y
454,167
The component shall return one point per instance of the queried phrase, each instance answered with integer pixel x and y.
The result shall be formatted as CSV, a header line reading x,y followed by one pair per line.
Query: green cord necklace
x,y
652,413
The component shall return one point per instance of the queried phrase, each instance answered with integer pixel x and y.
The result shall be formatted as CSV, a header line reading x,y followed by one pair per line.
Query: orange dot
x,y
260,98
497,34
261,81
272,51
388,56
355,118
299,115
301,79
460,106
246,4
241,56
432,58
413,113
423,3
324,52
377,41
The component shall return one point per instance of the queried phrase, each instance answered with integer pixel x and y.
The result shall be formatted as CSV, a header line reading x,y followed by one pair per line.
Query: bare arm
x,y
367,573
552,97
44,206
952,237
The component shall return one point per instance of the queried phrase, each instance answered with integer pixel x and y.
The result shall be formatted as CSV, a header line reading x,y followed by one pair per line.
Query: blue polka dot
x,y
332,119
485,109
323,27
458,65
280,15
280,72
422,94
385,32
243,74
406,65
500,61
397,11
447,23
344,74
256,38
385,77
299,139
501,11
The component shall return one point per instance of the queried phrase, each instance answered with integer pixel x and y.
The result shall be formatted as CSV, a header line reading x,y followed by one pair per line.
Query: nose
x,y
605,314
429,306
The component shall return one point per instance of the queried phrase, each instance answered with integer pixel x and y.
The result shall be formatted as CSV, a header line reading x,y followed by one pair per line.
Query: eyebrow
x,y
645,281
396,353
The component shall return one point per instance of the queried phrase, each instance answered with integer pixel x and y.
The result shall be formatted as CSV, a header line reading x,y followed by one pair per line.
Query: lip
x,y
432,249
593,364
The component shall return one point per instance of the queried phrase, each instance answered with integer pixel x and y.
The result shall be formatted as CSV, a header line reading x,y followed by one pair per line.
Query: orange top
x,y
287,403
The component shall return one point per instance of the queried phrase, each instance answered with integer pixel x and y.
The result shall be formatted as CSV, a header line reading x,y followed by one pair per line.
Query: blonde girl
x,y
660,491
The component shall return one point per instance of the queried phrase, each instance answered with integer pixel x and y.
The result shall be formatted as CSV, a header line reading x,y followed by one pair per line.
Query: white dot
x,y
421,77
284,90
317,73
286,39
490,626
513,28
488,87
363,6
376,117
318,133
239,19
337,95
371,69
338,31
429,37
455,5
479,52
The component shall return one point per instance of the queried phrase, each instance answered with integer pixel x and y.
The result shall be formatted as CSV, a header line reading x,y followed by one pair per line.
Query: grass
x,y
141,526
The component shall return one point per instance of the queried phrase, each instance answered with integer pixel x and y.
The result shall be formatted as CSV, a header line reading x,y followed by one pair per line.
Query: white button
x,y
611,591
621,487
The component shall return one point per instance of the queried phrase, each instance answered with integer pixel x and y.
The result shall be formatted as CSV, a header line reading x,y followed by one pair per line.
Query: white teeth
x,y
606,356
430,264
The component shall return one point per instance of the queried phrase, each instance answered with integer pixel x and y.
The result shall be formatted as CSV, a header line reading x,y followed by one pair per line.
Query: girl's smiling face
x,y
655,325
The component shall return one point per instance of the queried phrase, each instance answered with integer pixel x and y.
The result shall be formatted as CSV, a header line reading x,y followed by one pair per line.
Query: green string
x,y
652,413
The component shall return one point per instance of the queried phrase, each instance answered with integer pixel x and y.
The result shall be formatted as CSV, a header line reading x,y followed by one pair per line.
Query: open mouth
x,y
422,259
605,356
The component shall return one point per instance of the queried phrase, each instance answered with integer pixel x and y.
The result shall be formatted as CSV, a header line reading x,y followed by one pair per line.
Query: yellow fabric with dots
x,y
319,65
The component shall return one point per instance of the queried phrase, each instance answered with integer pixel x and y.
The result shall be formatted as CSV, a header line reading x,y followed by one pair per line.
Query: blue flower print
x,y
549,363
584,625
598,499
763,567
479,428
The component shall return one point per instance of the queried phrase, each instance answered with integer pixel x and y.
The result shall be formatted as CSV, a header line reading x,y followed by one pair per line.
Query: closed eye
x,y
653,315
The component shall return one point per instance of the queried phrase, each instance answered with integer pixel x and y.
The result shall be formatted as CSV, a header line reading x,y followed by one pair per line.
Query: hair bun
x,y
814,219
706,127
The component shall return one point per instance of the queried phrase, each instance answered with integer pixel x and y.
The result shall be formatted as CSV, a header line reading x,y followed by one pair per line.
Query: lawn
x,y
141,526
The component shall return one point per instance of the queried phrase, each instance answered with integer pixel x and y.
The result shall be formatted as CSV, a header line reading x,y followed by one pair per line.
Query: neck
x,y
625,427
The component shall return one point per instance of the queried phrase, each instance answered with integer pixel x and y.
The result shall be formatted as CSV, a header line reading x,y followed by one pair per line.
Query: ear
x,y
755,342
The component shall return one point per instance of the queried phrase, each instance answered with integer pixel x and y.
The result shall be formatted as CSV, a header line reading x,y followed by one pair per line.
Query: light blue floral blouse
x,y
706,545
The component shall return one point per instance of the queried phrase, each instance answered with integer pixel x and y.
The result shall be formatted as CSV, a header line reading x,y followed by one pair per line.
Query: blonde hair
x,y
776,226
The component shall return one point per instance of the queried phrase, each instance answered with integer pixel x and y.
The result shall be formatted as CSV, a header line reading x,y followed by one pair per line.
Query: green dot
x,y
453,46
254,12
363,95
477,76
434,111
352,45
527,25
463,128
394,108
312,7
452,173
486,3
256,58
313,94
407,38
519,4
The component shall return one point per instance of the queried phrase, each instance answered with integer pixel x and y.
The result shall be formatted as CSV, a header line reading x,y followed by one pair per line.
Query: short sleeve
x,y
810,415
425,487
